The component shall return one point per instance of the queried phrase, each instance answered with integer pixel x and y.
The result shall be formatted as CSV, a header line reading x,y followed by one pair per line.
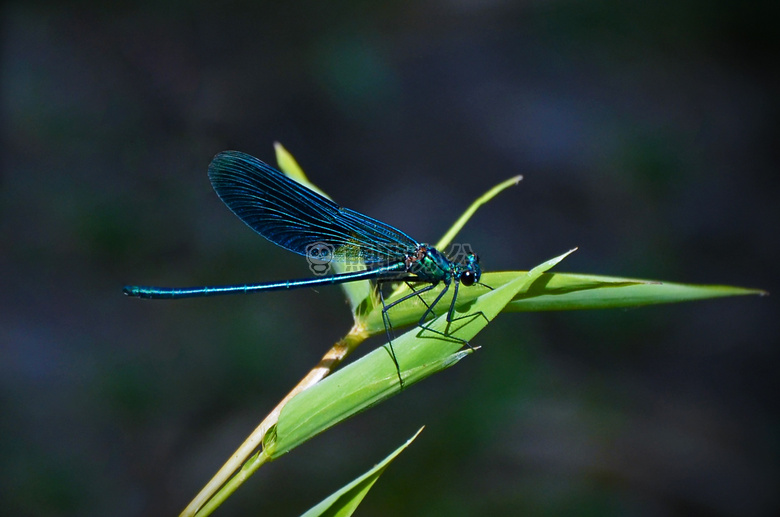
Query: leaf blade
x,y
345,501
373,378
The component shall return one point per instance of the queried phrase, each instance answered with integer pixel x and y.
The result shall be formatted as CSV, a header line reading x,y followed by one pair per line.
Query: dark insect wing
x,y
295,217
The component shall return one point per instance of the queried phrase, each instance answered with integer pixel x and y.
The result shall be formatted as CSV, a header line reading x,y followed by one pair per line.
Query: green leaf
x,y
345,501
373,378
481,200
569,291
560,292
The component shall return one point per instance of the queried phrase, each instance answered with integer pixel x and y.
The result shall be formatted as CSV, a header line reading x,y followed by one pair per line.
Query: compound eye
x,y
468,278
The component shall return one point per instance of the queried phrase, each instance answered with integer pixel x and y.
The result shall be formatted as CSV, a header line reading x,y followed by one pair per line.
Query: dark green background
x,y
647,134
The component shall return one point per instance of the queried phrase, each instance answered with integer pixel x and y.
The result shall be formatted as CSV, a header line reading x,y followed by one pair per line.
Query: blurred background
x,y
647,135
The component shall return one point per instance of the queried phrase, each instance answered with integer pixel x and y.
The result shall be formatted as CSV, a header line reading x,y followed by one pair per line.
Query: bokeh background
x,y
647,135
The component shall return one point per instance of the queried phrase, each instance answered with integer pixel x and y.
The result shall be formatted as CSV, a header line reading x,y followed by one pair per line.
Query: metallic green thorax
x,y
430,265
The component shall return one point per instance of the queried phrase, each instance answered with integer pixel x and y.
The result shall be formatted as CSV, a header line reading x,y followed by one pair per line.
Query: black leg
x,y
389,325
429,311
412,295
389,334
450,314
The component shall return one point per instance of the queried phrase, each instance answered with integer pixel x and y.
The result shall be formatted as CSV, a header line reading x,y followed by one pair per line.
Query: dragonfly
x,y
300,220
